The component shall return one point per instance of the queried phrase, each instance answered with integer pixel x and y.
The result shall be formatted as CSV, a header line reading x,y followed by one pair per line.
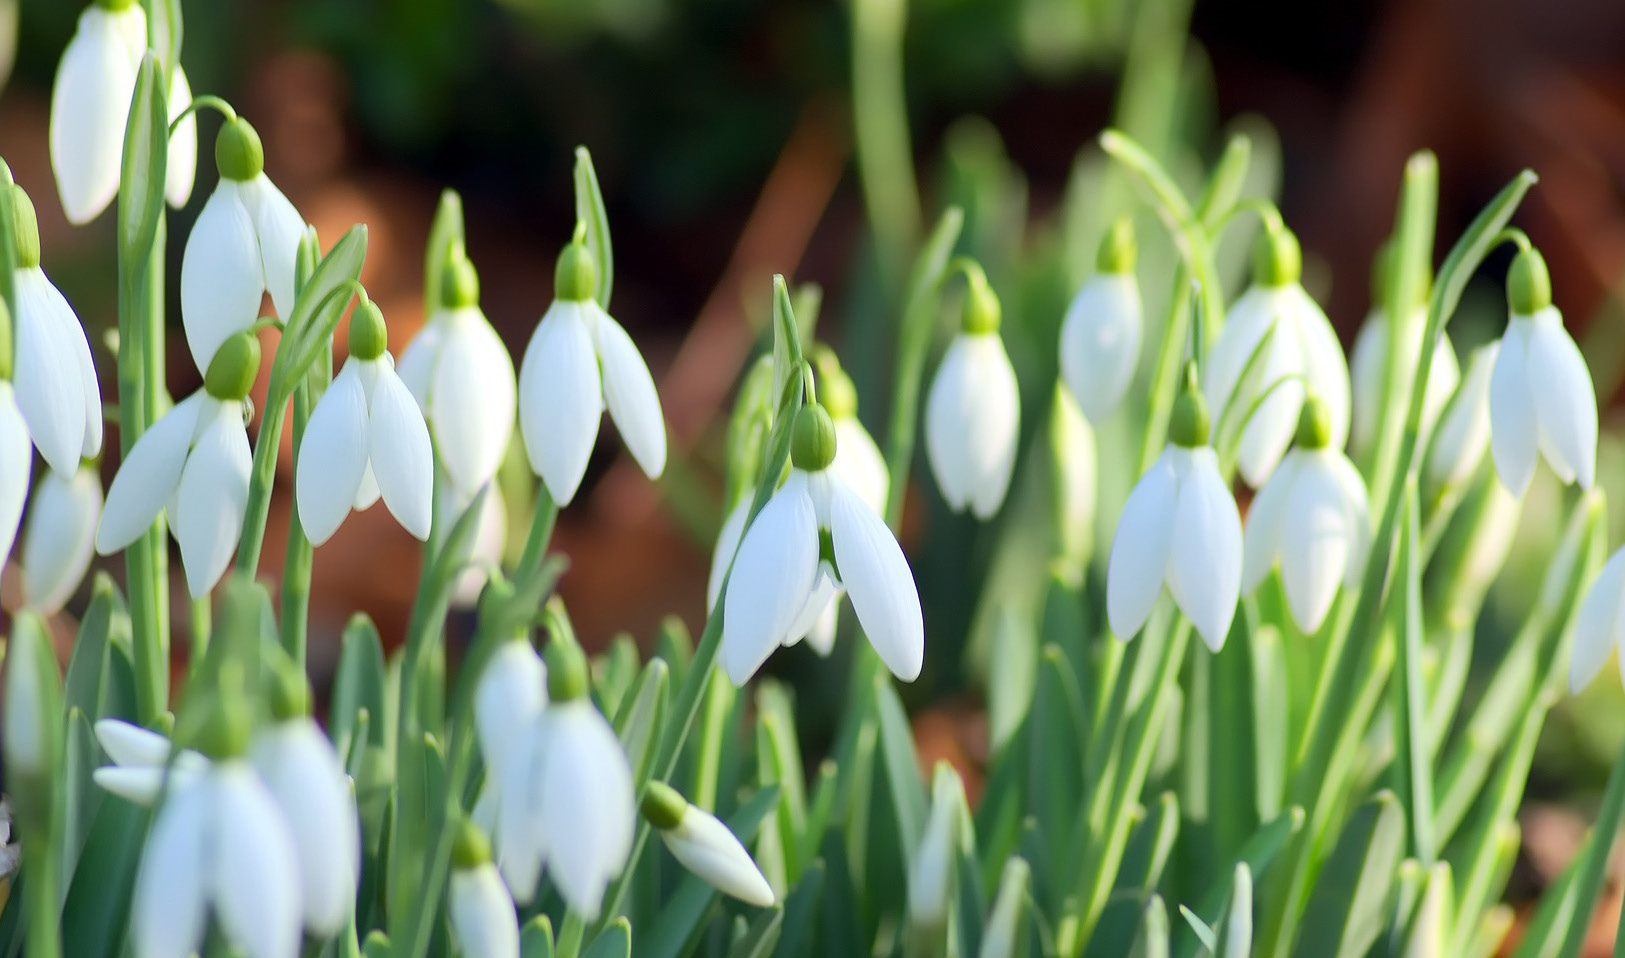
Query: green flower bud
x,y
238,153
835,389
1118,249
1277,258
1314,424
233,368
369,336
812,443
566,671
1189,425
469,848
982,311
575,279
25,228
1529,284
459,284
663,806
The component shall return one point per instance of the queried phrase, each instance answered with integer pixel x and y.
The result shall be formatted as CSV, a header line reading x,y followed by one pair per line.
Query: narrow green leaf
x,y
536,938
80,796
316,312
1152,940
1345,913
614,942
376,946
1413,767
1145,858
801,909
1429,927
99,894
358,683
1235,933
146,156
641,715
1257,854
590,211
445,231
902,766
778,760
762,936
82,688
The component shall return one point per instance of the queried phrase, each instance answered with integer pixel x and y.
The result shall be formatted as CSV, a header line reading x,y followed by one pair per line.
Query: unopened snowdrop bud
x,y
784,576
90,105
973,410
245,242
53,377
59,538
1541,397
462,378
1100,336
579,363
195,462
481,913
1179,526
366,438
705,846
1313,516
1300,348
1463,434
931,872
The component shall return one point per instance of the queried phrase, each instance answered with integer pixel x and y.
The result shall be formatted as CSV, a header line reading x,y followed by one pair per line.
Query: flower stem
x,y
260,483
44,938
296,566
880,123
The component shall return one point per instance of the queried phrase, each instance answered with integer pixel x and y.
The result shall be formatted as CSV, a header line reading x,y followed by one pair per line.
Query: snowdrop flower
x,y
219,844
508,700
1179,525
1312,515
59,537
90,105
481,913
16,454
783,576
1301,348
1541,396
1369,365
53,377
705,846
566,794
580,362
973,410
462,377
139,757
195,463
931,872
1100,337
1600,624
366,438
245,241
1463,433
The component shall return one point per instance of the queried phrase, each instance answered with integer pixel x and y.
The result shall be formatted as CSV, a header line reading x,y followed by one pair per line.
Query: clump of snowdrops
x,y
1304,780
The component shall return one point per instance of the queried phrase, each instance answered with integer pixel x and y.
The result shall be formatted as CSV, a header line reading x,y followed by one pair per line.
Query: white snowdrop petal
x,y
821,636
46,379
313,793
1513,424
332,456
629,392
521,839
1594,625
416,364
1356,505
1565,400
1249,320
90,104
169,904
402,456
1100,342
137,784
279,228
1204,569
1315,543
214,486
1323,364
471,401
367,493
128,744
878,581
1261,540
1273,400
733,527
586,804
1139,560
222,280
996,426
481,914
74,335
181,170
560,399
860,464
16,462
948,405
255,875
772,574
509,698
824,592
148,477
1463,432
707,848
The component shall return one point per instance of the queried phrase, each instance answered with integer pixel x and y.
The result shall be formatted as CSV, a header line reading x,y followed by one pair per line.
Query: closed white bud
x,y
1100,342
481,913
1368,369
60,537
1463,434
707,848
972,423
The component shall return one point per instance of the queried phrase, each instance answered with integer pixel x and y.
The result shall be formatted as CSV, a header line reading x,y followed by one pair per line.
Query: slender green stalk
x,y
44,939
261,480
880,124
296,565
570,935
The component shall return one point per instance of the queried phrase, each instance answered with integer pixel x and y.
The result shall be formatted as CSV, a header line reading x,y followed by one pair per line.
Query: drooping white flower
x,y
1600,625
481,913
567,797
59,537
705,846
1368,366
194,464
579,363
53,376
245,242
218,845
931,870
1463,434
510,696
782,580
1301,349
1100,336
973,410
1179,526
90,106
139,757
462,378
1313,516
366,438
16,463
1541,396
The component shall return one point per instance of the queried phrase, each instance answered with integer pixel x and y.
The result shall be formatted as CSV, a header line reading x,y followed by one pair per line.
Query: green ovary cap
x,y
1277,258
290,692
233,368
812,444
835,387
663,806
982,310
225,732
369,336
566,671
1189,423
115,5
1118,250
1529,284
575,279
1314,424
470,848
25,228
459,283
238,153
